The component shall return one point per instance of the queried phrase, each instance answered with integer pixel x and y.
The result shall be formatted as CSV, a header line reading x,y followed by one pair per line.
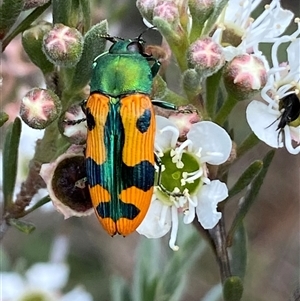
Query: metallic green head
x,y
124,69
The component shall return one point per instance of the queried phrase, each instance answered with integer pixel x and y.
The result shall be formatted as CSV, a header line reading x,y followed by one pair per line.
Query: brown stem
x,y
218,235
28,189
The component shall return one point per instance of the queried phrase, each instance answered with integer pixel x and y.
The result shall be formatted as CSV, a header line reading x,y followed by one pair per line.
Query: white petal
x,y
288,141
293,57
48,276
77,294
165,139
212,139
295,133
209,196
281,20
156,225
9,283
261,121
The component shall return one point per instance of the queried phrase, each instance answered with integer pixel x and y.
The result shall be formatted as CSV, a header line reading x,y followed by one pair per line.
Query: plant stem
x,y
225,110
212,89
39,204
218,236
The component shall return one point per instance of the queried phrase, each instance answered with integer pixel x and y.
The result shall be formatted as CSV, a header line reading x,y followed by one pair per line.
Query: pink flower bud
x,y
39,108
201,8
66,185
167,11
206,56
245,75
146,8
183,119
63,45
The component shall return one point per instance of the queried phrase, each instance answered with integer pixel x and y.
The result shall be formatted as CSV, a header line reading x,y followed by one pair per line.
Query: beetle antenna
x,y
111,39
139,38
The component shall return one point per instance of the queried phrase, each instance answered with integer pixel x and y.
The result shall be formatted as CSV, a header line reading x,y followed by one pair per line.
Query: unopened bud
x,y
201,9
34,3
245,75
146,8
39,108
183,119
206,56
167,11
63,45
32,40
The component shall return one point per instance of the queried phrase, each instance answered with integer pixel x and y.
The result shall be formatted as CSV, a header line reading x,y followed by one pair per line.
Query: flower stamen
x,y
174,229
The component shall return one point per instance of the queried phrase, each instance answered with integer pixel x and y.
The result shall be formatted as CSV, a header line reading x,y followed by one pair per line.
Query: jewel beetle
x,y
120,159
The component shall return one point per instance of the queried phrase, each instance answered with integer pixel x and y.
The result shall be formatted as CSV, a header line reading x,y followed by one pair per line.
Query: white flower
x,y
237,21
184,185
277,121
43,280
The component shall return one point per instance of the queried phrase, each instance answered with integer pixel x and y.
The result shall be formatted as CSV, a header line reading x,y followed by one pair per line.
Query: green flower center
x,y
180,175
35,296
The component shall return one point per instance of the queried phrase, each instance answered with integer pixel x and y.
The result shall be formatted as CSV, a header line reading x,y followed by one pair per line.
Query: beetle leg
x,y
74,122
155,67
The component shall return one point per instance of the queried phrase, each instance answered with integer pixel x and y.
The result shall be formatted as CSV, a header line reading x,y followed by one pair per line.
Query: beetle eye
x,y
135,47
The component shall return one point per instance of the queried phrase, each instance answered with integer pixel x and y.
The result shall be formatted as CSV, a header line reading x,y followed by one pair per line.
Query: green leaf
x,y
9,12
86,14
147,269
22,226
233,289
151,282
119,289
10,160
238,252
25,24
171,282
94,45
3,118
250,196
246,178
66,12
247,144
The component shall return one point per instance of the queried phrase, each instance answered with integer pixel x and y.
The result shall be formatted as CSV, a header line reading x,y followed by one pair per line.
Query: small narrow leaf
x,y
233,289
86,14
25,24
238,252
66,12
94,45
246,178
3,118
9,12
172,280
250,196
22,226
247,144
10,160
119,289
